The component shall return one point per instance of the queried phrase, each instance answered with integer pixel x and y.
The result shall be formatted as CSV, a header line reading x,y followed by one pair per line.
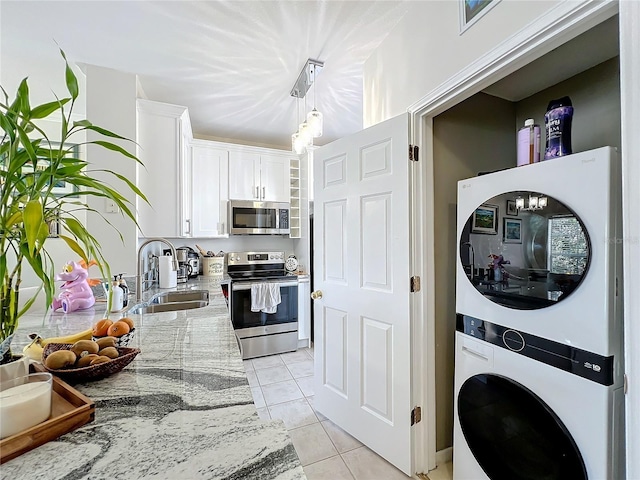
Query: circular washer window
x,y
513,434
524,250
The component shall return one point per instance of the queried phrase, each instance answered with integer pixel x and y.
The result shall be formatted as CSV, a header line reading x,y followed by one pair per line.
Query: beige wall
x,y
426,48
476,135
595,95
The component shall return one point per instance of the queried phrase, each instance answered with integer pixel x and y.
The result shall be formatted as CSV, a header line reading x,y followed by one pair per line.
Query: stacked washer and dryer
x,y
538,361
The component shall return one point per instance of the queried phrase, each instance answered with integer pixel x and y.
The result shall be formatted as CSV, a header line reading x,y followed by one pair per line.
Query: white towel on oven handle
x,y
265,297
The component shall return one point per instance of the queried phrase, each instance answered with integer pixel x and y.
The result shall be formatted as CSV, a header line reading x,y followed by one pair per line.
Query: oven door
x,y
260,333
243,318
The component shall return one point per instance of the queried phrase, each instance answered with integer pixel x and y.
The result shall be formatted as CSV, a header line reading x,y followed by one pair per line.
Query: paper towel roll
x,y
168,277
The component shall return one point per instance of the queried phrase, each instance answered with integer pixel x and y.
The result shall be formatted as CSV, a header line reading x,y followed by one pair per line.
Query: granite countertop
x,y
182,409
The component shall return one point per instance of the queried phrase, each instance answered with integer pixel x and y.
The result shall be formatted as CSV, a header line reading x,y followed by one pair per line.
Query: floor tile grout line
x,y
333,456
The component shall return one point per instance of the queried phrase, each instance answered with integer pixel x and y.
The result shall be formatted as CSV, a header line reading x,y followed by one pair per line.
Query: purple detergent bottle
x,y
557,122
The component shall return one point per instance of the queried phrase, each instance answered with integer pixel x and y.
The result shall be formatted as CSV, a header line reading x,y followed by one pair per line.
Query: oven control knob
x,y
316,294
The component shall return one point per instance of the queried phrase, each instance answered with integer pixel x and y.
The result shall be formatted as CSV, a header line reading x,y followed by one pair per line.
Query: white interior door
x,y
361,266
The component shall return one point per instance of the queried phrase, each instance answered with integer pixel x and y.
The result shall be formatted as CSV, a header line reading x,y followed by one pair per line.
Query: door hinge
x,y
413,153
416,415
415,284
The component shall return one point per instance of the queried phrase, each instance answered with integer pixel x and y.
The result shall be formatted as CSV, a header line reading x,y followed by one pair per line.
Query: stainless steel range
x,y
260,333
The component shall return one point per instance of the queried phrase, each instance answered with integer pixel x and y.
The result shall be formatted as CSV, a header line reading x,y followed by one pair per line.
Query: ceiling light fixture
x,y
534,203
313,126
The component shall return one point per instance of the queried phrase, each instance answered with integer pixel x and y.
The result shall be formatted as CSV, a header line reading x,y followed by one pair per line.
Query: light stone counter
x,y
182,409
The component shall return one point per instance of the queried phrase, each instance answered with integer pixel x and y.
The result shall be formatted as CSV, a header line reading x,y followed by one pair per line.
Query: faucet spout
x,y
140,266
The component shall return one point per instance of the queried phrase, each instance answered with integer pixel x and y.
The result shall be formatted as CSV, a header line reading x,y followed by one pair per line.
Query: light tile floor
x,y
282,387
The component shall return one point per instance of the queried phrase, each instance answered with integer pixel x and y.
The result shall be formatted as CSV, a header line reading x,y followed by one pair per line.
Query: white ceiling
x,y
232,63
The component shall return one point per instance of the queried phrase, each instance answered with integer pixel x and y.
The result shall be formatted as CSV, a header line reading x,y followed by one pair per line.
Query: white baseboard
x,y
444,456
304,343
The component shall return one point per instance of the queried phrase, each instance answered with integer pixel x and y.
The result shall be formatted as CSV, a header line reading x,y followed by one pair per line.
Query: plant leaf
x,y
116,148
72,81
46,109
33,219
73,245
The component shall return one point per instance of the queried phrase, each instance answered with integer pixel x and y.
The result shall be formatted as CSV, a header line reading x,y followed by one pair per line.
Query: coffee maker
x,y
194,263
182,256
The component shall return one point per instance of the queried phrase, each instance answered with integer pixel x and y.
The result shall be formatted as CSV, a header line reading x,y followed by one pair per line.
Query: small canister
x,y
528,143
213,266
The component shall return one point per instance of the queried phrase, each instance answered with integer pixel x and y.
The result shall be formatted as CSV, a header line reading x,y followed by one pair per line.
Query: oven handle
x,y
247,286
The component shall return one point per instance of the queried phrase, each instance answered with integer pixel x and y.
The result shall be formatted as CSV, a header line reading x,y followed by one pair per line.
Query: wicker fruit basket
x,y
92,372
122,341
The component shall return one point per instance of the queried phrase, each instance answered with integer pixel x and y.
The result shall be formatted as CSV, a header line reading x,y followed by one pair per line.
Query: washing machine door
x,y
513,434
524,250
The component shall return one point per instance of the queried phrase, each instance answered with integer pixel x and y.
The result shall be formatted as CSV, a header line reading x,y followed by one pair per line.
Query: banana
x,y
35,349
84,335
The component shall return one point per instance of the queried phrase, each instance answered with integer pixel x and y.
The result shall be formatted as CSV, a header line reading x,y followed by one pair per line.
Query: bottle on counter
x,y
528,143
122,283
557,123
116,296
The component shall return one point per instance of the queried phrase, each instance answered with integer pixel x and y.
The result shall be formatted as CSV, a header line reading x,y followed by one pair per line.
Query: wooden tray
x,y
69,410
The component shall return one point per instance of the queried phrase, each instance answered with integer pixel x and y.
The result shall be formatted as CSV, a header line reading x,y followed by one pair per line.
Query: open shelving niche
x,y
294,186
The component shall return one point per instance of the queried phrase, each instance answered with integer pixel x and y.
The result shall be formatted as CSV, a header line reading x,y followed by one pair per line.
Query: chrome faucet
x,y
473,259
140,272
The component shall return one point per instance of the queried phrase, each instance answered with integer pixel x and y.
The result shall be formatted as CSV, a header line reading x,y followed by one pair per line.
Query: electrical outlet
x,y
111,206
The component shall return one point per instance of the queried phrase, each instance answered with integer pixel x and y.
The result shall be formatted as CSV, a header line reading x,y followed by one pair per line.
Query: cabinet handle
x,y
257,192
263,192
188,229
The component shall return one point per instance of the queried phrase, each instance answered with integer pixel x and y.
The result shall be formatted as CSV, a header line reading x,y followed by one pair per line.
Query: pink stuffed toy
x,y
75,293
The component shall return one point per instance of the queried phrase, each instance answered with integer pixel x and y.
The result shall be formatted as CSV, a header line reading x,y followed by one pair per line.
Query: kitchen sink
x,y
173,301
185,296
169,307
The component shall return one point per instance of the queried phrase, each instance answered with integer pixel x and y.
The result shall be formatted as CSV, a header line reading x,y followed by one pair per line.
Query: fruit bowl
x,y
92,372
122,341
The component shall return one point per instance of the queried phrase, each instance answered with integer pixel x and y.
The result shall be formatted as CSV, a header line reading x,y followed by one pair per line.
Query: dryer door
x,y
514,434
524,250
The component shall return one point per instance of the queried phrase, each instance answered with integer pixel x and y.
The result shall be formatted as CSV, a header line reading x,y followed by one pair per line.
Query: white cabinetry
x,y
257,176
209,187
295,191
304,312
164,132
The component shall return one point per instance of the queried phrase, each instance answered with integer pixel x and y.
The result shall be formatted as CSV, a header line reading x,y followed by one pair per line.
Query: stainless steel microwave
x,y
258,218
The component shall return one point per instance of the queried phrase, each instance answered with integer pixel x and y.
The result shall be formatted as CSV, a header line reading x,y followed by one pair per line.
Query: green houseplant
x,y
31,165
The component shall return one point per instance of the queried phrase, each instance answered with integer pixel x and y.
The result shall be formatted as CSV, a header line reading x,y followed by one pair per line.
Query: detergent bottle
x,y
116,296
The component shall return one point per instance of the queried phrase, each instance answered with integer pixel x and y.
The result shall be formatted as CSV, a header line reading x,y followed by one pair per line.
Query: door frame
x,y
557,26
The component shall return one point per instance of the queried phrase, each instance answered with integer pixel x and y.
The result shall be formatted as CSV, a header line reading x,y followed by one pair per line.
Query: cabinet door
x,y
244,176
209,198
274,178
159,149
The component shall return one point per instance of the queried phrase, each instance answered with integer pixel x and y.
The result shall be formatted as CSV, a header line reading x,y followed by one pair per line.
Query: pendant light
x,y
298,142
314,117
312,126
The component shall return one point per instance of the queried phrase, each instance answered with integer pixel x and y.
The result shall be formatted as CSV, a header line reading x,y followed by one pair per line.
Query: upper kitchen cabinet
x,y
259,176
164,133
210,192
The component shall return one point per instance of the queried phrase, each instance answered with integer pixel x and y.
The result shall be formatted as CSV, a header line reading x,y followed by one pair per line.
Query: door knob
x,y
316,294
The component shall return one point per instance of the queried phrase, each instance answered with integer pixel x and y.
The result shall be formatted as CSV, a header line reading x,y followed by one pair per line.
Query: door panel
x,y
335,367
361,234
376,244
